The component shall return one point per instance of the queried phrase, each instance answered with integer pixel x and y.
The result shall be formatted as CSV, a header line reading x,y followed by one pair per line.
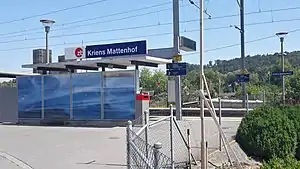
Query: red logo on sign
x,y
78,52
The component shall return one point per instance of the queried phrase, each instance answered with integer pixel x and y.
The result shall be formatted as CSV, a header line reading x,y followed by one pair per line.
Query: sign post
x,y
171,91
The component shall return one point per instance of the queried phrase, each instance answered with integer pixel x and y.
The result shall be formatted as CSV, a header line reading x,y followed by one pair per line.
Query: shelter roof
x,y
114,62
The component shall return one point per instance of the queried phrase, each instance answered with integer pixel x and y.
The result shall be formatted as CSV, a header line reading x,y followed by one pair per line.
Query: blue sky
x,y
11,60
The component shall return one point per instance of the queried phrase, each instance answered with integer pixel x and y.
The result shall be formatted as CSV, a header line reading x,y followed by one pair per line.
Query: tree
x,y
146,79
159,82
294,86
10,83
221,74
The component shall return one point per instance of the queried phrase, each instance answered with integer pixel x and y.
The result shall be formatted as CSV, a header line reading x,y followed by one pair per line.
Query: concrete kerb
x,y
216,151
15,160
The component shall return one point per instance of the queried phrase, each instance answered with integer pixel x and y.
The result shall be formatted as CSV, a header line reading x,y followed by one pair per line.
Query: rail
x,y
198,109
227,112
225,101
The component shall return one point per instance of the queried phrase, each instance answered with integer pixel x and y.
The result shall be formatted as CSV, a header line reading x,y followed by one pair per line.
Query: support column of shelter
x,y
137,77
102,83
43,97
71,94
44,70
138,114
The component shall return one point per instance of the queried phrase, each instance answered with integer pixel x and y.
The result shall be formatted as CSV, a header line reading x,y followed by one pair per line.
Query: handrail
x,y
158,121
150,125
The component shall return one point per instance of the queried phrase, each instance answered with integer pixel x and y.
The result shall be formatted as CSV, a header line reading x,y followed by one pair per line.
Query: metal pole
x,y
71,97
102,97
146,132
171,137
219,87
157,146
203,159
43,98
282,65
189,147
206,153
242,31
137,77
47,29
220,122
247,103
176,51
128,135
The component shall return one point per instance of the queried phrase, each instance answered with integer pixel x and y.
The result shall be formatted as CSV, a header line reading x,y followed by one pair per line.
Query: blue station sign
x,y
176,72
177,65
116,49
176,69
240,78
287,73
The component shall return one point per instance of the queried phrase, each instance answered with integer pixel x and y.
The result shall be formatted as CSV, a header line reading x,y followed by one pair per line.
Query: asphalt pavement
x,y
33,147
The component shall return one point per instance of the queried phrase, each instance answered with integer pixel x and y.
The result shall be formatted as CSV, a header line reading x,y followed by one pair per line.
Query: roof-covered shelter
x,y
4,74
111,62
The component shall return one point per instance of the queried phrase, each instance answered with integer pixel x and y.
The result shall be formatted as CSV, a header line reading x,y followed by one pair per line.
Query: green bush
x,y
266,132
285,163
293,113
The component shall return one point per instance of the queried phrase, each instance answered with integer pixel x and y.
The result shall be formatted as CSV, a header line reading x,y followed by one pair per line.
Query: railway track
x,y
226,112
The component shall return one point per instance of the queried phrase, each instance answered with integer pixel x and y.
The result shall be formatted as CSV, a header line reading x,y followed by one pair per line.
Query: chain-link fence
x,y
171,134
143,155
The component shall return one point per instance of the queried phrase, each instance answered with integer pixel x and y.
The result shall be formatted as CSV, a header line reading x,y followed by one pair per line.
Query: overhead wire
x,y
53,12
102,40
153,35
145,26
238,44
94,23
89,19
139,9
273,10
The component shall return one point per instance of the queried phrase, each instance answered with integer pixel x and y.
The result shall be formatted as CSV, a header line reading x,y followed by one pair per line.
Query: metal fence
x,y
142,155
161,143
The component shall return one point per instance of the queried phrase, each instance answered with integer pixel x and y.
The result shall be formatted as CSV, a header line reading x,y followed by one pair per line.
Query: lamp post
x,y
47,23
281,36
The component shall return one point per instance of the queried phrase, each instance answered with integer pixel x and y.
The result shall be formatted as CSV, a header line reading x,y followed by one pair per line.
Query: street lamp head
x,y
281,34
47,22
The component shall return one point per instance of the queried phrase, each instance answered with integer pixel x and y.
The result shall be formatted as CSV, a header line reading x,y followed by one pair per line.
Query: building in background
x,y
61,58
39,56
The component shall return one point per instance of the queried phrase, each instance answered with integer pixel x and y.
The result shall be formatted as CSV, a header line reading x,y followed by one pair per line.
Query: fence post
x,y
264,97
146,113
206,153
247,103
220,122
157,146
128,139
189,147
171,136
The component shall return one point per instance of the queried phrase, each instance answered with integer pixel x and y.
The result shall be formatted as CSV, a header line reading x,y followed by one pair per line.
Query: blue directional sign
x,y
176,65
287,73
176,72
116,49
176,69
243,78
